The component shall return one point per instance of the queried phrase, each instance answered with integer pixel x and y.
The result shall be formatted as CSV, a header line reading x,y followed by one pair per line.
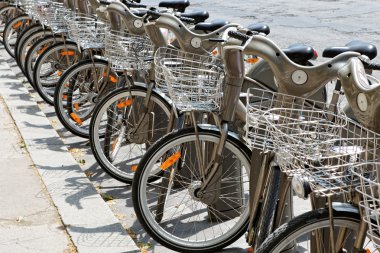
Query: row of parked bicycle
x,y
214,125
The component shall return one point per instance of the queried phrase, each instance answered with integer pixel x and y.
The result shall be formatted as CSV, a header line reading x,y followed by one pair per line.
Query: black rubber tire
x,y
92,128
14,11
161,143
29,62
302,221
8,28
22,37
40,61
27,44
269,207
58,103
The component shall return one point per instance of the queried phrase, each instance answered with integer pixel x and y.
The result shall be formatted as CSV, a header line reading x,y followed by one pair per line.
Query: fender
x,y
156,91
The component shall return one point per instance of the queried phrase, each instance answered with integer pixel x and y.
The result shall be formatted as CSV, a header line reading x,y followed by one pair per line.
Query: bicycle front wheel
x,y
120,131
169,207
309,232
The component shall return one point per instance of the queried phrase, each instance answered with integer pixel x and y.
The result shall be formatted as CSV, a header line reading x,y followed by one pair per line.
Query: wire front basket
x,y
86,31
56,16
310,140
369,187
193,82
127,51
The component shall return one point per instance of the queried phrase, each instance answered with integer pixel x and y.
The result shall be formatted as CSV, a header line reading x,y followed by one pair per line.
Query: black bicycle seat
x,y
358,46
212,26
198,16
261,28
178,5
299,53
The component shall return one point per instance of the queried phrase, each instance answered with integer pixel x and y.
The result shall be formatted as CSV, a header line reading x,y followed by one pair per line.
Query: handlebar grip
x,y
136,5
239,36
153,14
105,2
371,65
187,20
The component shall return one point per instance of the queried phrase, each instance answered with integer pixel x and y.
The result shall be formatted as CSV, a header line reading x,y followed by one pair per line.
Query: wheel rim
x,y
220,231
72,98
301,236
124,155
50,68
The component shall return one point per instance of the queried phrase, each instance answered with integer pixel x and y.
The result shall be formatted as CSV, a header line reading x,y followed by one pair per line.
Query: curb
x,y
87,218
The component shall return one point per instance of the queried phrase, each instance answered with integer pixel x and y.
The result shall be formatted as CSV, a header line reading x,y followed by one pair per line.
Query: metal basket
x,y
310,141
127,51
193,82
258,103
86,31
40,9
56,16
369,187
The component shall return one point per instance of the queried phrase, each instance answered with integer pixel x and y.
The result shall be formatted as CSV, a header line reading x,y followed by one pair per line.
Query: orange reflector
x,y
42,50
252,60
250,250
215,52
134,167
112,78
125,103
170,161
76,106
367,251
68,53
64,97
17,25
59,72
114,144
76,118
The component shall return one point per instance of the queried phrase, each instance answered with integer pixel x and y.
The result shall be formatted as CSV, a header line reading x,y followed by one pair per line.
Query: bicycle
x,y
164,157
109,151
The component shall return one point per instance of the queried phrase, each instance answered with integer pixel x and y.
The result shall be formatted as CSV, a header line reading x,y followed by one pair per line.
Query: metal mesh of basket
x,y
310,140
39,10
258,103
86,31
126,51
56,16
193,82
26,5
368,173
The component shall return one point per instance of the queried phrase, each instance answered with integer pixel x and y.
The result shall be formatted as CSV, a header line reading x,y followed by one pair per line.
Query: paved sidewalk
x,y
29,221
86,217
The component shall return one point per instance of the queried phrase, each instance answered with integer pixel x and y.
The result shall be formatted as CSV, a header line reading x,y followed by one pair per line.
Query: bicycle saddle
x,y
177,5
212,26
355,46
299,53
261,28
198,16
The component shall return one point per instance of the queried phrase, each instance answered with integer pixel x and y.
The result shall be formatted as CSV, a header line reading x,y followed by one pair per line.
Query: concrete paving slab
x,y
29,222
81,208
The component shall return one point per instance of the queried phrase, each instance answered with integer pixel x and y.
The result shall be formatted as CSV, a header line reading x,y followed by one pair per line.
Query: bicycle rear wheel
x,y
117,139
168,207
310,231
